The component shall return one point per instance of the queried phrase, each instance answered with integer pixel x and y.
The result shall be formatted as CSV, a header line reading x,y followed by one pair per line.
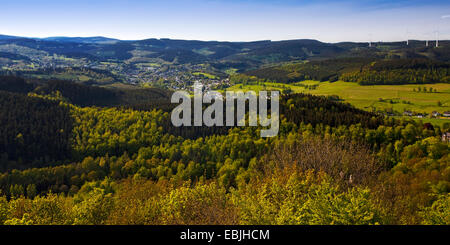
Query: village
x,y
434,114
157,74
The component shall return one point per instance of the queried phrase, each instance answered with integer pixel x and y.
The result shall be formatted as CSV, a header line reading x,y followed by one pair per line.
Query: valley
x,y
87,136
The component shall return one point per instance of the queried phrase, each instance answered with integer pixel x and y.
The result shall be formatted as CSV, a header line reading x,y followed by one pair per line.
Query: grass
x,y
380,96
119,85
204,51
265,87
210,76
397,97
231,71
148,64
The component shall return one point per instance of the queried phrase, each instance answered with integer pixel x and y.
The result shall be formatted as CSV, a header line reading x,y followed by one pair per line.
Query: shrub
x,y
438,213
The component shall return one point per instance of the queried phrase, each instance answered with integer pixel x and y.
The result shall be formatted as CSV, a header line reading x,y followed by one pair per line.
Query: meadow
x,y
376,97
207,75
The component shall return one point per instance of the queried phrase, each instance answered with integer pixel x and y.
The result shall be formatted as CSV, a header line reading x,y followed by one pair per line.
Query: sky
x,y
229,20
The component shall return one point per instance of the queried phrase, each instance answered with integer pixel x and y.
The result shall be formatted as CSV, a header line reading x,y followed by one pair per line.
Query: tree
x,y
438,213
16,191
31,191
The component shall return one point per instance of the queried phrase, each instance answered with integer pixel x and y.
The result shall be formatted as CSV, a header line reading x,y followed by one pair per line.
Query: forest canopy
x,y
73,163
365,71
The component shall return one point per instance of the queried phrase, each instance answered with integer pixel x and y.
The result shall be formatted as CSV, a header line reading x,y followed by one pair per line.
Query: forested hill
x,y
62,163
28,130
37,129
32,131
221,55
326,70
403,71
365,71
87,95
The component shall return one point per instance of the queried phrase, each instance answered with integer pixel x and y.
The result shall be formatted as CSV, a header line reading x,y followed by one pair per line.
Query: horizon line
x,y
199,40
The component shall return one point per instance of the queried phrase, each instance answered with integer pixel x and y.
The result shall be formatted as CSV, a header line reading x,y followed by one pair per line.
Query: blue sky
x,y
229,20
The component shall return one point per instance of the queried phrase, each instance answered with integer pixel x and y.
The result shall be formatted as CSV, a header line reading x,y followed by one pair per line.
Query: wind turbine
x,y
437,38
407,37
428,39
443,18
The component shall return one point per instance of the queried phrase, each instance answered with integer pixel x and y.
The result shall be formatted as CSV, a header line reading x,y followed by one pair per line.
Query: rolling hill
x,y
240,55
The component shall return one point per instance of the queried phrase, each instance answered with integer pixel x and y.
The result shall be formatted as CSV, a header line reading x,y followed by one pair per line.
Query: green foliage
x,y
34,131
15,84
31,191
365,71
4,209
330,164
305,199
16,190
49,210
98,132
93,209
202,204
15,221
439,212
327,70
414,71
412,184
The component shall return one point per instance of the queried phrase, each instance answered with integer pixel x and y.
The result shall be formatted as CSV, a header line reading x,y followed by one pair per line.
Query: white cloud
x,y
445,16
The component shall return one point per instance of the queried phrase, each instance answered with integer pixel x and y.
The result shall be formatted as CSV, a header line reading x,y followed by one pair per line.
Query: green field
x,y
210,76
397,97
147,64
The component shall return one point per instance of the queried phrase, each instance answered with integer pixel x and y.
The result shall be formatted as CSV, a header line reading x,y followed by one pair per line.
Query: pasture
x,y
376,97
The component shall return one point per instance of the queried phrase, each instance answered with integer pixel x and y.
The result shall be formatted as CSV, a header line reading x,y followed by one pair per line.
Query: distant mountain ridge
x,y
220,55
4,37
98,39
241,55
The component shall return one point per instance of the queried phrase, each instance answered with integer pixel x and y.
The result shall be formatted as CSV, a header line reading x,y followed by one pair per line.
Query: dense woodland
x,y
403,71
33,130
326,70
365,71
87,162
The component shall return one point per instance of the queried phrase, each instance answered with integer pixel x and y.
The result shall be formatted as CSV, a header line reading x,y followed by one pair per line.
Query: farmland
x,y
379,97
